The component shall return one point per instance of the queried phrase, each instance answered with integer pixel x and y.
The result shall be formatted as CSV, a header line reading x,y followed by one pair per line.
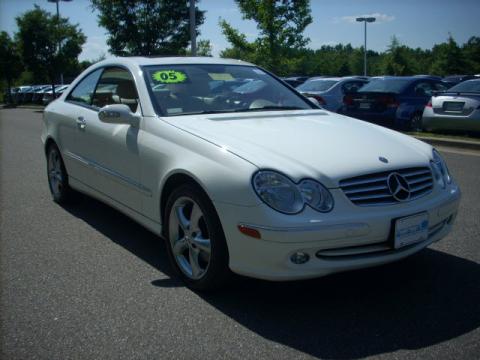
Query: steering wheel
x,y
231,100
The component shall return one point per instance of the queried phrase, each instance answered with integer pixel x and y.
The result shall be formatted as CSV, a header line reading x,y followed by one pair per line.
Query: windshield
x,y
467,86
385,85
317,85
210,88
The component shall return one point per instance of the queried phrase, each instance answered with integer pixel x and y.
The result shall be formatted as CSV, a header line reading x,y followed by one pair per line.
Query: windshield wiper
x,y
263,108
270,107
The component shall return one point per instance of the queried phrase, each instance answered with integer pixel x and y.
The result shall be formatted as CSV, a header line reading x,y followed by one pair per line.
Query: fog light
x,y
299,258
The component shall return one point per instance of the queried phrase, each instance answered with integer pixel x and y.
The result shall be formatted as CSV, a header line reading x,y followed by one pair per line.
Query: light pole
x,y
193,35
365,20
58,20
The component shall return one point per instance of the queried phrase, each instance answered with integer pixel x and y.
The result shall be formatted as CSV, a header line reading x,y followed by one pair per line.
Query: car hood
x,y
308,143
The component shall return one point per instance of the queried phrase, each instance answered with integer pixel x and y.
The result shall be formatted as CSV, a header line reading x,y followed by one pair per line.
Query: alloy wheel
x,y
55,176
416,122
189,238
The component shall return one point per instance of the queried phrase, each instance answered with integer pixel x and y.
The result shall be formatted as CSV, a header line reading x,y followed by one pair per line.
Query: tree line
x,y
46,45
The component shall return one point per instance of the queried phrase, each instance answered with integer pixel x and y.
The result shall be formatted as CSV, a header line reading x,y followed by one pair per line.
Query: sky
x,y
416,23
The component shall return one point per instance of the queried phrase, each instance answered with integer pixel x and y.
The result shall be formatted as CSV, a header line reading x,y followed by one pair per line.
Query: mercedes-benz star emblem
x,y
398,187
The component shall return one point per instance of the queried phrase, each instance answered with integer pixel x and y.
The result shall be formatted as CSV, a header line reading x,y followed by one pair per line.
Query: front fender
x,y
167,150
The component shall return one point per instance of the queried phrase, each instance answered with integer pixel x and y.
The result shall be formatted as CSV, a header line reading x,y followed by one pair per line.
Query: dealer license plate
x,y
411,229
453,105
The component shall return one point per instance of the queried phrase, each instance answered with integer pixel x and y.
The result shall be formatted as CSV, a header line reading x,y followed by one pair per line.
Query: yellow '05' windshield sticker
x,y
169,76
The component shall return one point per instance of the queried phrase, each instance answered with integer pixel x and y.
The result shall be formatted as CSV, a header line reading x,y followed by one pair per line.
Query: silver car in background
x,y
329,92
456,109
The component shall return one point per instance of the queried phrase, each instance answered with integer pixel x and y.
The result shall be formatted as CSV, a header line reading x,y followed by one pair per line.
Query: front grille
x,y
373,190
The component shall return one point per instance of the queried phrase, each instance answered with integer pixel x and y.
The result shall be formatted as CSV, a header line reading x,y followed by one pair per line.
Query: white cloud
x,y
95,47
380,18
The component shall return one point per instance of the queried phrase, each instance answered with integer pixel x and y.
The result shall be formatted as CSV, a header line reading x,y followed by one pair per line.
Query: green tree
x,y
471,53
49,45
448,59
280,24
204,48
146,27
10,62
397,60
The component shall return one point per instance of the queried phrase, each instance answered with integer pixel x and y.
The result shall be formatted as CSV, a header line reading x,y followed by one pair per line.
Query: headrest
x,y
126,90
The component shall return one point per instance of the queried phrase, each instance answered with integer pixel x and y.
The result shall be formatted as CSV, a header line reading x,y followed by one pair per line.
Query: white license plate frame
x,y
410,230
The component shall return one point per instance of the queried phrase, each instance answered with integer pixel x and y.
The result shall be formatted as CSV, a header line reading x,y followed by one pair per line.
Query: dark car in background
x,y
38,94
295,80
22,90
393,101
28,94
457,109
453,80
330,91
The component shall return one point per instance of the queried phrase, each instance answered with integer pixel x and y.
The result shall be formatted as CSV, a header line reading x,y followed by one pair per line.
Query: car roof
x,y
338,78
411,78
145,61
471,80
325,78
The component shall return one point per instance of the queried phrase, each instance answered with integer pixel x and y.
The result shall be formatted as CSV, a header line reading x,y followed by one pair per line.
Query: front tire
x,y
57,176
195,240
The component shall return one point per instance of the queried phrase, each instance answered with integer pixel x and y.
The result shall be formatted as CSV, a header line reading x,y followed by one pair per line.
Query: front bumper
x,y
350,237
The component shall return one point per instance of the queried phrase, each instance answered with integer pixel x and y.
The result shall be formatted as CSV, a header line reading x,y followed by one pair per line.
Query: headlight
x,y
282,194
440,170
316,195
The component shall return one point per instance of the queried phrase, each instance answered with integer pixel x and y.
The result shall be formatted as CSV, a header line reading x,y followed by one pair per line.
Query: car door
x,y
112,149
71,120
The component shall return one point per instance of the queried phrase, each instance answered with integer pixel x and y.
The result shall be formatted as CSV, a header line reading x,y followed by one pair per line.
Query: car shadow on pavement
x,y
424,300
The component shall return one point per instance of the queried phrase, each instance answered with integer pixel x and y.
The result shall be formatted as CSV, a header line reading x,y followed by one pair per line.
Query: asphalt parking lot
x,y
85,282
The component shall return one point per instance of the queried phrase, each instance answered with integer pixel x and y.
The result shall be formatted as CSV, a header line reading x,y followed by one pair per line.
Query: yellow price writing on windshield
x,y
169,76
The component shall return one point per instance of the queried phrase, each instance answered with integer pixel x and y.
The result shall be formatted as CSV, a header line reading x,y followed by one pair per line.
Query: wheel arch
x,y
173,181
49,141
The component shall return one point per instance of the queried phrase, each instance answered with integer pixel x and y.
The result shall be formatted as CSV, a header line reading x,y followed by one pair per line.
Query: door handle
x,y
81,123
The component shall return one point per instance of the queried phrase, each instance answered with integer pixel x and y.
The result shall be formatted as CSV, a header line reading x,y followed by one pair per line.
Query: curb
x,y
31,107
463,144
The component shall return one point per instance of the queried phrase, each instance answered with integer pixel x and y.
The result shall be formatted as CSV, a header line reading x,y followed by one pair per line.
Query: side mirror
x,y
118,114
314,101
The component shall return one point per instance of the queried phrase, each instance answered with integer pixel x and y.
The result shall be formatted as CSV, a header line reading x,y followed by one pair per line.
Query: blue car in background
x,y
329,91
393,101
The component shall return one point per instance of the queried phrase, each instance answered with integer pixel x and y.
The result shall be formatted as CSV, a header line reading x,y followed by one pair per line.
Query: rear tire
x,y
195,240
415,122
57,176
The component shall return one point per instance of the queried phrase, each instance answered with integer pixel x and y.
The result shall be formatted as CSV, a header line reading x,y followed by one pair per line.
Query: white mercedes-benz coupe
x,y
240,173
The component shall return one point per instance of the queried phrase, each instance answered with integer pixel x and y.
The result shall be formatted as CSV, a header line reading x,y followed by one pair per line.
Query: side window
x,y
116,86
352,86
423,89
440,87
83,92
